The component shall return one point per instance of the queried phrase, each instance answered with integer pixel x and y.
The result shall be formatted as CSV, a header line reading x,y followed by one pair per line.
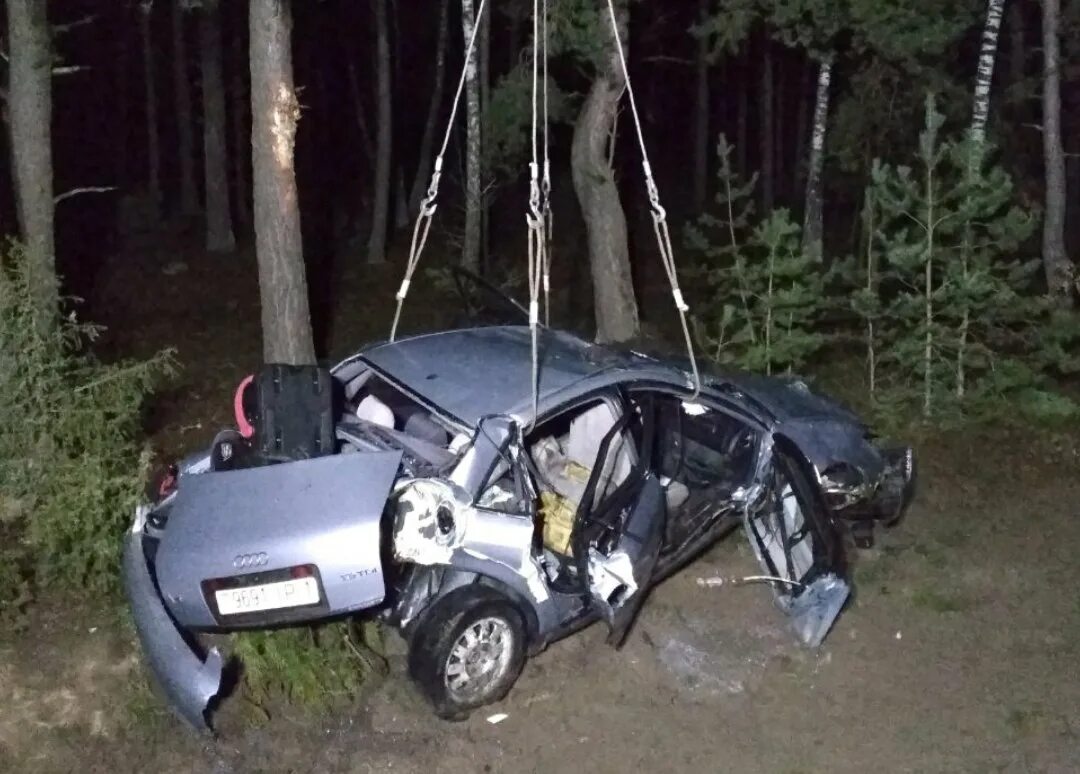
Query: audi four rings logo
x,y
250,560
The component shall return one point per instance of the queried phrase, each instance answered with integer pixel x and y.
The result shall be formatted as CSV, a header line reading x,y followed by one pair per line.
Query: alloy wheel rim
x,y
479,659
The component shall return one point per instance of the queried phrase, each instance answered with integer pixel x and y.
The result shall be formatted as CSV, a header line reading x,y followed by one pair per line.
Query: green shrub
x,y
71,467
763,296
317,666
953,327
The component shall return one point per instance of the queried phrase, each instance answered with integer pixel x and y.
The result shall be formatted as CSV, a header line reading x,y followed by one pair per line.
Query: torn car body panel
x,y
443,478
189,682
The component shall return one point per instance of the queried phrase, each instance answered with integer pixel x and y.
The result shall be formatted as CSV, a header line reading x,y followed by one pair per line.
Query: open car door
x,y
797,545
618,534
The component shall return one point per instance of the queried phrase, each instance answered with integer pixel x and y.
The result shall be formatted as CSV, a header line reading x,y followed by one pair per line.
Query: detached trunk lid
x,y
312,523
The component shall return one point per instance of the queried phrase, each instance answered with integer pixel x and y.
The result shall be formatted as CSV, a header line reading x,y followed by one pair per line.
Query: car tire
x,y
467,652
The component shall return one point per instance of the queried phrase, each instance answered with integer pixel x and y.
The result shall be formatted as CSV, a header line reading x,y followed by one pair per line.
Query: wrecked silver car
x,y
438,501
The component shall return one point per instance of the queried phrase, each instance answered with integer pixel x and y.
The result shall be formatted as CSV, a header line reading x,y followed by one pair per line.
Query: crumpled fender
x,y
189,683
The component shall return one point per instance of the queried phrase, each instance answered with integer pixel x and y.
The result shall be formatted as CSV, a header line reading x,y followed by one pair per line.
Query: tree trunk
x,y
219,228
29,119
483,47
423,166
401,199
812,215
121,91
1058,267
380,211
470,251
366,142
594,183
802,127
286,319
742,146
766,105
984,76
153,149
701,117
241,133
1017,55
189,193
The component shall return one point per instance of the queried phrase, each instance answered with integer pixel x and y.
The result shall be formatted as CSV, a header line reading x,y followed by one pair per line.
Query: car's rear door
x,y
618,533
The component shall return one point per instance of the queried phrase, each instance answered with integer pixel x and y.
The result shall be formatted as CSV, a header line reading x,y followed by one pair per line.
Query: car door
x,y
619,529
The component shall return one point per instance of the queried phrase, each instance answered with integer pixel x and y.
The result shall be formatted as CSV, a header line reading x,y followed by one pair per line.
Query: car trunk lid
x,y
309,527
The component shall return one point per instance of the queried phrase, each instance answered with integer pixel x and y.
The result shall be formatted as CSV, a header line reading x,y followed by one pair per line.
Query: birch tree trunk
x,y
594,183
189,193
360,111
984,76
219,227
765,103
380,211
29,119
423,167
470,251
701,117
813,228
1059,269
286,319
153,148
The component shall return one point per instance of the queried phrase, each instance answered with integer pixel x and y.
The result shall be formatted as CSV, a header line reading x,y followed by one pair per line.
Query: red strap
x,y
242,424
168,483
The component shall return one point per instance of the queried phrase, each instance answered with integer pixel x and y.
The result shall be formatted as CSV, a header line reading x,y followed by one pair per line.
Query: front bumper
x,y
189,683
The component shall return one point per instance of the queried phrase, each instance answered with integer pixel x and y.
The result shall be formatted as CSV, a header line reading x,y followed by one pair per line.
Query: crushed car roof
x,y
477,372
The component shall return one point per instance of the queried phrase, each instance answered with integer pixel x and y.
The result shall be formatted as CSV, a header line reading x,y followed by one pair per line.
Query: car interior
x,y
702,456
378,416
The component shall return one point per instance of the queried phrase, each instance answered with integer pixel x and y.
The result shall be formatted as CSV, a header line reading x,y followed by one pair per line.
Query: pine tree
x,y
763,296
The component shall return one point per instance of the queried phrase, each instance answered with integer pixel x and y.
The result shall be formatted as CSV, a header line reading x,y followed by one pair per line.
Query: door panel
x,y
617,534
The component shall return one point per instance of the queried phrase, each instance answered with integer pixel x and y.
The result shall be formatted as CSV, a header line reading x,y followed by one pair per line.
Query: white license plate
x,y
268,596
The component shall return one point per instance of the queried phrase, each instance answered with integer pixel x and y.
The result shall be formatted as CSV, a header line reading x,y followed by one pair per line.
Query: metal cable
x,y
659,214
535,221
428,205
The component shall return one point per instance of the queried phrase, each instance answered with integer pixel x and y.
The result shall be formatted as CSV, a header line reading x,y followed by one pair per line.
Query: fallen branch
x,y
69,69
88,189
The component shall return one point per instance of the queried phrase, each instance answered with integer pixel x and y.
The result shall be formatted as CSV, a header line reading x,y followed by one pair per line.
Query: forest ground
x,y
959,653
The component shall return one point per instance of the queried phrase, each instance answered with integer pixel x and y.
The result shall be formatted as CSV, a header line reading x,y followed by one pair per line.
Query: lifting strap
x,y
538,233
659,214
428,204
545,184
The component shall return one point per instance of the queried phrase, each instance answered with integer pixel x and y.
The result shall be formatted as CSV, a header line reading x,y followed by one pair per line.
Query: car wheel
x,y
467,652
